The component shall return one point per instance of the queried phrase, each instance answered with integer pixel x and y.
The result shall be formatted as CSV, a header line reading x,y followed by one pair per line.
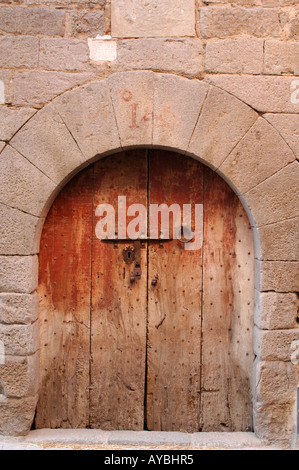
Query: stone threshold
x,y
80,439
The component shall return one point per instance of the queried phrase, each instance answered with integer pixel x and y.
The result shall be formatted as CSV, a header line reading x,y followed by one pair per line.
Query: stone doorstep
x,y
134,440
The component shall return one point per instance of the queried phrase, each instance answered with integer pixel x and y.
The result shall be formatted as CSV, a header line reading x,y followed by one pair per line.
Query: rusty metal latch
x,y
131,255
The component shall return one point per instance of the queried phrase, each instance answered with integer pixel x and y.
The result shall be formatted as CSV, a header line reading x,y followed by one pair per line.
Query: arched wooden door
x,y
146,335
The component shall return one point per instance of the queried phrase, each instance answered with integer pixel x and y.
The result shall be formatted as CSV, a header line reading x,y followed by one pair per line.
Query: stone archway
x,y
145,109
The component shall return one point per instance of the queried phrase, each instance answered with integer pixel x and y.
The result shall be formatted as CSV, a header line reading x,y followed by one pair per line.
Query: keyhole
x,y
129,254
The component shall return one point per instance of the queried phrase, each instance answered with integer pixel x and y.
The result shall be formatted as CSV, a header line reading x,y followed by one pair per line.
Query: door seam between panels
x,y
147,288
201,423
90,303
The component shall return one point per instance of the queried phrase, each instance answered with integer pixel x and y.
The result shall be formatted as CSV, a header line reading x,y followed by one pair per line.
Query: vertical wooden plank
x,y
174,305
227,310
64,293
118,338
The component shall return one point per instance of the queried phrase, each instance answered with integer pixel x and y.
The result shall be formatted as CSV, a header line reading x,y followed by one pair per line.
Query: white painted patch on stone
x,y
102,49
2,92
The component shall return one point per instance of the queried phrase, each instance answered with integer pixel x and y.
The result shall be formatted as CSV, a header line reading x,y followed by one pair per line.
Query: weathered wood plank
x,y
227,349
174,305
64,293
118,321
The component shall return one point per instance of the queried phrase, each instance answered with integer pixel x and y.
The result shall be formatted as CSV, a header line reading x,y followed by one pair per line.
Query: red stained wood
x,y
64,293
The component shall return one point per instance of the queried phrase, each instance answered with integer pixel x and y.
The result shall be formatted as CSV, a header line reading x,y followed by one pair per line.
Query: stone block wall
x,y
246,49
50,46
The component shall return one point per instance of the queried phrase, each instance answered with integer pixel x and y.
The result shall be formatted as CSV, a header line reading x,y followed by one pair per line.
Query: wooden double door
x,y
167,349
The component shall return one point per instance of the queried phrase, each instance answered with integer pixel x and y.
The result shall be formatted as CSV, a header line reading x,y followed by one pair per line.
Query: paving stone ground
x,y
128,440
